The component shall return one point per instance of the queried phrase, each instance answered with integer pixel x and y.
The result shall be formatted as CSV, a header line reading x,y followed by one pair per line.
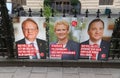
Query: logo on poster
x,y
103,56
74,23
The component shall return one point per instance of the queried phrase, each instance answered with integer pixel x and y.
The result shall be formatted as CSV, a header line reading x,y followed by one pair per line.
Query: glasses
x,y
28,29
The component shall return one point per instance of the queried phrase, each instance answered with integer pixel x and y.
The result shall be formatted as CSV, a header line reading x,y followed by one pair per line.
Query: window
x,y
68,6
105,2
21,2
61,5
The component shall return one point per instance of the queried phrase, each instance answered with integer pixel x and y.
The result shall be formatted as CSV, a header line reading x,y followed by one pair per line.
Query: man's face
x,y
30,30
61,32
96,31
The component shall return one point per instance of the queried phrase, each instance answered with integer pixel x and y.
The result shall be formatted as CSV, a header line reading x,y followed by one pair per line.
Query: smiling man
x,y
95,32
30,30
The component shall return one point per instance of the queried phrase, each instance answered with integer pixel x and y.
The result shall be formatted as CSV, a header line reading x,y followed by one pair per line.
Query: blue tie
x,y
33,57
37,56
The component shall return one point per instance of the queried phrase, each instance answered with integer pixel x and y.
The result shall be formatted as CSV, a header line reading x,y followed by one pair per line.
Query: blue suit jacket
x,y
41,45
71,46
104,49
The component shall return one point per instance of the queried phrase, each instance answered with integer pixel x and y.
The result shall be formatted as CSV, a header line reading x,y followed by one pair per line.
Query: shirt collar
x,y
64,45
98,42
28,42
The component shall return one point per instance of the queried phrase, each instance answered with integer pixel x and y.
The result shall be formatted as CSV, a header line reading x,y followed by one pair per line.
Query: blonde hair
x,y
62,22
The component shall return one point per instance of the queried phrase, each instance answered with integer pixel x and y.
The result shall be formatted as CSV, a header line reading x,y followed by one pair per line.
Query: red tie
x,y
94,55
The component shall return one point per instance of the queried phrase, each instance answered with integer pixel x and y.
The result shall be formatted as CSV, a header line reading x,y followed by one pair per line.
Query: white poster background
x,y
18,29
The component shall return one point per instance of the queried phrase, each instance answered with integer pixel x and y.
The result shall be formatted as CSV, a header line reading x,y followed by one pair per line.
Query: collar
x,y
98,42
29,42
64,45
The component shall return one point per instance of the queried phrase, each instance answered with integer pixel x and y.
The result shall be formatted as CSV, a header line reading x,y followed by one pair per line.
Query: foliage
x,y
47,11
74,2
52,37
47,2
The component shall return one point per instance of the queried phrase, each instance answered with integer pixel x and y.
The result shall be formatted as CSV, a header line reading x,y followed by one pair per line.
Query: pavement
x,y
58,72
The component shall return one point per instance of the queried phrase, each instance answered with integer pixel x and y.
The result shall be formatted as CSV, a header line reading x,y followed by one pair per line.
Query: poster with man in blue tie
x,y
30,37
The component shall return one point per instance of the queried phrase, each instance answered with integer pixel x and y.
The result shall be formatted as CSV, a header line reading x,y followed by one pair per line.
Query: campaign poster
x,y
95,37
64,38
30,37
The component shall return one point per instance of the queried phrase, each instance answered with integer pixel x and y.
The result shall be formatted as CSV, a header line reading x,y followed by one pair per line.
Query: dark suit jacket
x,y
71,46
41,45
104,49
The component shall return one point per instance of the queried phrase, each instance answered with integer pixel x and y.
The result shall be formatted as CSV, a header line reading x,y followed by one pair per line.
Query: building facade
x,y
91,5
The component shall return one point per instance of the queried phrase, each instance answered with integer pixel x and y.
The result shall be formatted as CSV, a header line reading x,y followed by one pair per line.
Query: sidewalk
x,y
58,72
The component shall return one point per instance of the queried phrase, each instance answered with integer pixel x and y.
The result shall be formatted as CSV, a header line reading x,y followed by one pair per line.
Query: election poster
x,y
30,37
64,38
95,37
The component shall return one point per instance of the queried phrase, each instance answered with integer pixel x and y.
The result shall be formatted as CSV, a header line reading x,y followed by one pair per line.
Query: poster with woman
x,y
63,42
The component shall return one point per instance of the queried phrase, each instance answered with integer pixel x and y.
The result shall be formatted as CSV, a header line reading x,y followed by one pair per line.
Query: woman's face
x,y
61,32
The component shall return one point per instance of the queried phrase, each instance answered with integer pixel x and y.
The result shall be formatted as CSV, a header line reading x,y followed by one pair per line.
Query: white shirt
x,y
98,42
64,45
35,45
34,42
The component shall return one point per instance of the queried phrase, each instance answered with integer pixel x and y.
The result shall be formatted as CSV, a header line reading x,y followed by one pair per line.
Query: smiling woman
x,y
69,49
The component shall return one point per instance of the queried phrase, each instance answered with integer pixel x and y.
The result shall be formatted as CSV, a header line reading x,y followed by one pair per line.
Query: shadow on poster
x,y
30,37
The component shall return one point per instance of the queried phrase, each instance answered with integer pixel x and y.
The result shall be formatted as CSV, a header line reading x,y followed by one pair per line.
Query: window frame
x,y
21,2
106,2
